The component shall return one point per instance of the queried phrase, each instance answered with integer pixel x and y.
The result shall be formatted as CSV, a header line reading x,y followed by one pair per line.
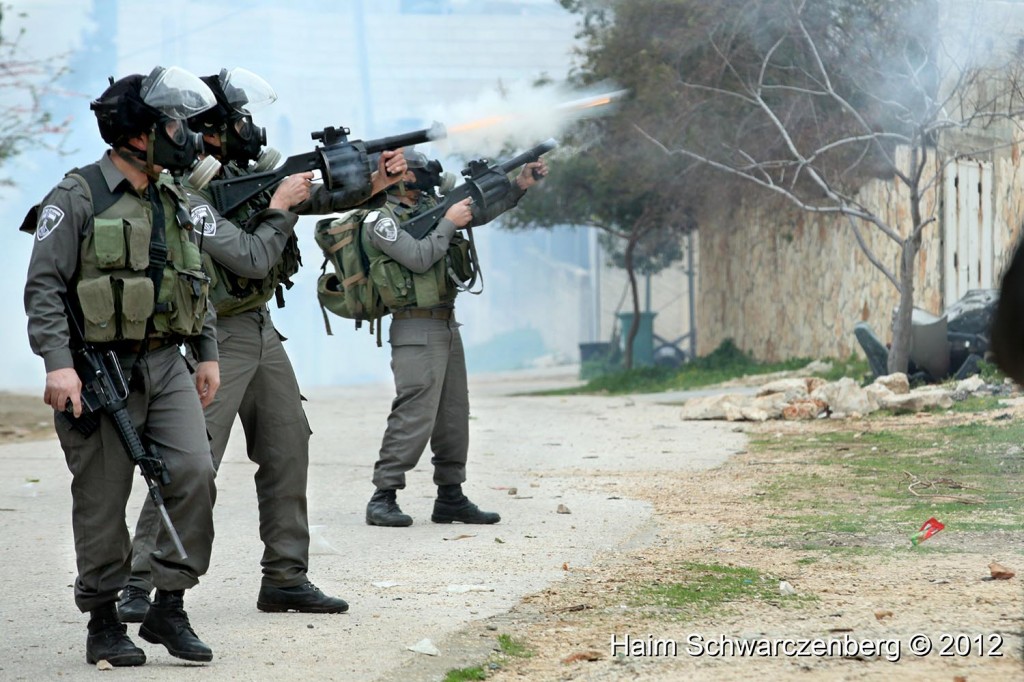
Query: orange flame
x,y
476,125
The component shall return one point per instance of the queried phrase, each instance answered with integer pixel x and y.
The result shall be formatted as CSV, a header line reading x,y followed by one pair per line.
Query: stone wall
x,y
787,283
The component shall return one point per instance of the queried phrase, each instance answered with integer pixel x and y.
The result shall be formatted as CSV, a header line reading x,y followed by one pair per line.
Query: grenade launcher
x,y
486,183
343,164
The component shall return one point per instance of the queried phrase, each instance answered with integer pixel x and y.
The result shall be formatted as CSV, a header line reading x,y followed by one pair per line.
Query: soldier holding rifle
x,y
114,243
253,252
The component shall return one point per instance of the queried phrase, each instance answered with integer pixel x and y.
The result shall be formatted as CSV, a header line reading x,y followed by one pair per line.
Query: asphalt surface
x,y
425,582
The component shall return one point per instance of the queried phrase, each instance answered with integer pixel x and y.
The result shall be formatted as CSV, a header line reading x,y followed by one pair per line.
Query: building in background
x,y
377,68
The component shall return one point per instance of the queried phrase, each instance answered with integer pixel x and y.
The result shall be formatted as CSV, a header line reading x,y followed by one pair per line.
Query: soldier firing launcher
x,y
486,183
343,164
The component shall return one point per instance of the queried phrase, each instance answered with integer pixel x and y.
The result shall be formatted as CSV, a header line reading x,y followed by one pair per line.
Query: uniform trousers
x,y
165,409
258,385
431,403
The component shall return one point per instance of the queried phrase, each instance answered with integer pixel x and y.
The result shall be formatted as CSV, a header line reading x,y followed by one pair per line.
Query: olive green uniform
x,y
258,382
84,257
431,403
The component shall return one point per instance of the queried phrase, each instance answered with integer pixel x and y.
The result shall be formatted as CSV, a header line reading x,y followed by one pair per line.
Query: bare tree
x,y
24,82
822,96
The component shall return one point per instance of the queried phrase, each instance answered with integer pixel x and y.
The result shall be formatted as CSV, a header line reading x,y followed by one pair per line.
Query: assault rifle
x,y
343,164
486,184
105,391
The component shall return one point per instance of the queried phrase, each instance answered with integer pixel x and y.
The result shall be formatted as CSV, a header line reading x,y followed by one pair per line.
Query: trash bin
x,y
595,351
643,344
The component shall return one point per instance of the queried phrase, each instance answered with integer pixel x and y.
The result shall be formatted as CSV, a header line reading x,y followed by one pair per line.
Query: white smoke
x,y
519,115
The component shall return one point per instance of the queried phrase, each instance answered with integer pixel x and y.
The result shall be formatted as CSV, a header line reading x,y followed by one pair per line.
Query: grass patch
x,y
871,490
725,363
513,647
465,674
694,588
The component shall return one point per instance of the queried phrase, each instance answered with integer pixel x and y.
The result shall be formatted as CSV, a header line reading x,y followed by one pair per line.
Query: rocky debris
x,y
804,398
424,646
1000,572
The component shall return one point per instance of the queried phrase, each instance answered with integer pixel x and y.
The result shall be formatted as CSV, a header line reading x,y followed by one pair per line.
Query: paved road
x,y
404,585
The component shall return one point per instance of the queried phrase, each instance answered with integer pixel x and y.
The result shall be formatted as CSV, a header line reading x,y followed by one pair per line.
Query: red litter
x,y
930,528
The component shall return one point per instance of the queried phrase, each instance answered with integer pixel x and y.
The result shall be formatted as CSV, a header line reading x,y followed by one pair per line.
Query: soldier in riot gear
x,y
253,252
114,241
431,404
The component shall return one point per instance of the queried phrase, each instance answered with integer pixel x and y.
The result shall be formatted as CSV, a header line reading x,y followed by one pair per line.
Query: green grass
x,y
509,648
513,647
726,362
692,589
853,492
465,674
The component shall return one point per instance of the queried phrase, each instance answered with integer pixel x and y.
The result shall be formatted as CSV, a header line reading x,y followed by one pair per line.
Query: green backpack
x,y
348,291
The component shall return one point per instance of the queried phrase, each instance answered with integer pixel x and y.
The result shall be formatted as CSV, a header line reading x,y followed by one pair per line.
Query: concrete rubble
x,y
815,398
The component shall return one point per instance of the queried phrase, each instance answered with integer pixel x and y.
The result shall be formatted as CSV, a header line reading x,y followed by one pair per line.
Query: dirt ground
x,y
569,628
946,594
24,418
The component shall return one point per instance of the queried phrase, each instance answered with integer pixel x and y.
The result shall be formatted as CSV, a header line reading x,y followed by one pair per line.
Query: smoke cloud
x,y
519,114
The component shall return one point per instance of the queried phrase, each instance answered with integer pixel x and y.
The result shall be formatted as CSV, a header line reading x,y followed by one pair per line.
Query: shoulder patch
x,y
386,229
50,218
202,218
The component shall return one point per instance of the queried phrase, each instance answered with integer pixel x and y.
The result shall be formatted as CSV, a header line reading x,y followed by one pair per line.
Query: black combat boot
x,y
167,623
108,639
305,598
133,604
383,510
452,505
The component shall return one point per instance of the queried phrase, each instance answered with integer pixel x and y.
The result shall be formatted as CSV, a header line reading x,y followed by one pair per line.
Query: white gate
x,y
967,229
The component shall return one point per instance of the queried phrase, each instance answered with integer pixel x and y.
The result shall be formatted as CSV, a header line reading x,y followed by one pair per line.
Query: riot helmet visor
x,y
176,93
245,91
176,130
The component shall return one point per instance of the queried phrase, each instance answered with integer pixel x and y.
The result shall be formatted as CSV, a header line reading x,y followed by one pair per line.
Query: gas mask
x,y
447,183
428,177
240,140
173,146
268,160
170,96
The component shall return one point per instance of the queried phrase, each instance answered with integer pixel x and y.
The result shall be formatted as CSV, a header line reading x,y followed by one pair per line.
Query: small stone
x,y
426,647
882,614
562,509
513,491
1000,572
786,589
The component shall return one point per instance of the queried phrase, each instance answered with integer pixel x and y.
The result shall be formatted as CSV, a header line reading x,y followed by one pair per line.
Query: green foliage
x,y
465,674
512,647
854,367
695,588
990,372
870,490
724,363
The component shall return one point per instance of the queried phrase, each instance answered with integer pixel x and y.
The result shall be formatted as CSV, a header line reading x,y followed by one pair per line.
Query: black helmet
x,y
157,104
120,111
238,93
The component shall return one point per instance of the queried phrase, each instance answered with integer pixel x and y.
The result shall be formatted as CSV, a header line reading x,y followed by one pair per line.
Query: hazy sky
x,y
360,63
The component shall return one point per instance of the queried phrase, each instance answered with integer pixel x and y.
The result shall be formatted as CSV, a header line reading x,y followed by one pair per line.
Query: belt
x,y
424,314
145,345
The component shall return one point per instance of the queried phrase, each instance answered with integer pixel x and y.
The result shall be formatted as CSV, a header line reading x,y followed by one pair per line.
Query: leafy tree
x,y
611,184
806,101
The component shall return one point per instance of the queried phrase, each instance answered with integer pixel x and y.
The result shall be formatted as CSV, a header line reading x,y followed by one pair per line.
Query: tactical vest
x,y
233,294
400,287
114,286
